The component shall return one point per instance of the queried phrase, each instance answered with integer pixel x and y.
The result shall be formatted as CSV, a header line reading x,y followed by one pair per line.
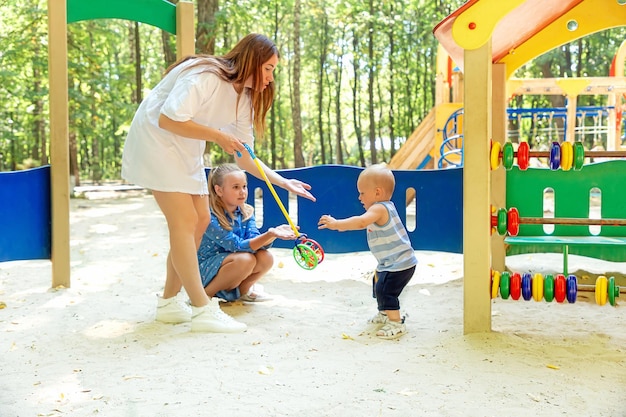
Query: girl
x,y
233,254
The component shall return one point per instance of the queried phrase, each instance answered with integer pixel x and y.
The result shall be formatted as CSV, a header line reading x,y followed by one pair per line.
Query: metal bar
x,y
572,221
588,154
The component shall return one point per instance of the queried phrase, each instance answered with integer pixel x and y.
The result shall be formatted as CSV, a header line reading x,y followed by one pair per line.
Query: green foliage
x,y
335,44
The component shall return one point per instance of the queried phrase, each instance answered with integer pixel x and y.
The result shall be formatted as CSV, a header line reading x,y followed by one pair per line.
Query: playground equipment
x,y
451,149
508,221
177,19
551,287
489,40
307,252
561,155
423,148
551,123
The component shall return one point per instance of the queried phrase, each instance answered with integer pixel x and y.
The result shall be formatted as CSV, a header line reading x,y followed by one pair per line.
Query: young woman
x,y
220,99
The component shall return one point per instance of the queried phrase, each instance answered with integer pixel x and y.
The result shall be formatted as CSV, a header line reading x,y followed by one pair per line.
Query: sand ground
x,y
94,349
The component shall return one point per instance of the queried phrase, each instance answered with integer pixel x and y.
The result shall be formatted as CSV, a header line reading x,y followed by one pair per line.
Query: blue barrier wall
x,y
439,208
25,214
25,218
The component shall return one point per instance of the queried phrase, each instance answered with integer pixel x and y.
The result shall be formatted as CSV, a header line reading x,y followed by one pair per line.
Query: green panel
x,y
608,251
613,195
524,191
571,194
571,198
159,13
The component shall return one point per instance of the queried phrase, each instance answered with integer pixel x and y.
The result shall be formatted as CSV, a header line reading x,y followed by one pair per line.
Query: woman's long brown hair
x,y
245,60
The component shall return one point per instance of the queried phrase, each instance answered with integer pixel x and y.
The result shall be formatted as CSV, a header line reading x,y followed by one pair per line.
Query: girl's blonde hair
x,y
216,177
245,60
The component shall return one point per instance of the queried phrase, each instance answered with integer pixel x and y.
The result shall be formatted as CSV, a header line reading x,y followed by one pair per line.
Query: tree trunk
x,y
96,167
339,127
206,30
356,104
275,110
370,83
320,86
392,120
135,56
169,47
295,99
74,169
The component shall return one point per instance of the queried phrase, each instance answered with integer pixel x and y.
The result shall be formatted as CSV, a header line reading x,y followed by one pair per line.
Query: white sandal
x,y
392,330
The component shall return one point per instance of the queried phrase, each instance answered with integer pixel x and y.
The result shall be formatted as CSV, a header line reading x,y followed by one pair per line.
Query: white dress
x,y
159,160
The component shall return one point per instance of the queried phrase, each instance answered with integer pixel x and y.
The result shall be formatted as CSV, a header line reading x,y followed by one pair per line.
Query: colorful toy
x,y
551,287
504,221
307,252
565,155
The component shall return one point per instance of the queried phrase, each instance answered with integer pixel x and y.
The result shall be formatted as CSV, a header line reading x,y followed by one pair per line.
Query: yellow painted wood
x,y
572,86
499,100
614,140
185,29
591,15
442,114
551,86
620,58
483,16
442,90
570,131
59,142
476,191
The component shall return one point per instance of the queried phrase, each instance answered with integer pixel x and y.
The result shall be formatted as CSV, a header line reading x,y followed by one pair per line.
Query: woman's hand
x,y
300,188
229,143
193,130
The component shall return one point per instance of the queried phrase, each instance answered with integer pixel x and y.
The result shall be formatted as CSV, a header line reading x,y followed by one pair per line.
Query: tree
x,y
295,94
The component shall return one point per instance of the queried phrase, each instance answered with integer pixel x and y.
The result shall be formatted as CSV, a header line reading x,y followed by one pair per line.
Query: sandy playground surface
x,y
94,349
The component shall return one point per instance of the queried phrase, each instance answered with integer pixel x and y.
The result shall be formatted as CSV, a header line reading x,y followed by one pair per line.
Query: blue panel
x,y
334,187
439,211
25,216
439,207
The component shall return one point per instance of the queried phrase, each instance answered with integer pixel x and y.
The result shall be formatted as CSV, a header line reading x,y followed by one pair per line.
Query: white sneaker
x,y
172,310
211,318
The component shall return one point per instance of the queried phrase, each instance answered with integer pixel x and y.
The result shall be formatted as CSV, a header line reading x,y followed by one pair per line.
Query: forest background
x,y
354,81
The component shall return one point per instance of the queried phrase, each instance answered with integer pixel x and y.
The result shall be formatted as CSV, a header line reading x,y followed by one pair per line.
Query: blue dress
x,y
217,243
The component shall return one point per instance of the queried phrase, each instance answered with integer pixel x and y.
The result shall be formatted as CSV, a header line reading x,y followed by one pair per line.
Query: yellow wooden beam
x,y
572,86
499,100
477,190
185,29
589,16
473,28
578,86
59,142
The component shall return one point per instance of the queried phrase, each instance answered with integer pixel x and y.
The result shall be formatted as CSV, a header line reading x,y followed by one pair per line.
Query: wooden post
x,y
185,29
59,142
476,190
498,176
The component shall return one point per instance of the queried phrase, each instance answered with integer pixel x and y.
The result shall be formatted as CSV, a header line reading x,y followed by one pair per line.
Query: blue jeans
x,y
387,287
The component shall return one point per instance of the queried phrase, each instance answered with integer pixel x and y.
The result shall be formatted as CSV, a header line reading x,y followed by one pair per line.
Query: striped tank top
x,y
390,243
